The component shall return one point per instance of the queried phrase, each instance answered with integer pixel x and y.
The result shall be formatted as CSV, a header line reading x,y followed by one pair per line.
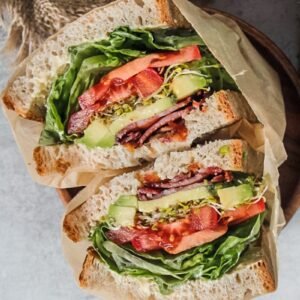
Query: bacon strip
x,y
167,119
200,176
81,119
146,123
154,190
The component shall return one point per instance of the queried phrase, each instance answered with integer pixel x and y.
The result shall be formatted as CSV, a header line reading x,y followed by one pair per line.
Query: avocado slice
x,y
235,195
200,192
98,134
141,113
128,201
122,215
186,85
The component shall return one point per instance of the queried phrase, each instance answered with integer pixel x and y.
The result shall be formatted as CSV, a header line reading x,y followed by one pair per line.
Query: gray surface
x,y
278,19
31,260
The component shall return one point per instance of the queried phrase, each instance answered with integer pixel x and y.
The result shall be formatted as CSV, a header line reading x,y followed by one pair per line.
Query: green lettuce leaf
x,y
211,67
89,61
209,261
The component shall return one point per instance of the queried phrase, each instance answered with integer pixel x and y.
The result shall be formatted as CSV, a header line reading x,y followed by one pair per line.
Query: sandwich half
x,y
182,228
117,95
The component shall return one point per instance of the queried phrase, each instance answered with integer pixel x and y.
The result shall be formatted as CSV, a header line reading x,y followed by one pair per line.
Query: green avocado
x,y
122,215
141,113
200,192
98,134
186,85
235,195
128,201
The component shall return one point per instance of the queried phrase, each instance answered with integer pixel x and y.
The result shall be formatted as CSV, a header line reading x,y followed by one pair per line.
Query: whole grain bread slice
x,y
223,108
28,88
78,223
252,278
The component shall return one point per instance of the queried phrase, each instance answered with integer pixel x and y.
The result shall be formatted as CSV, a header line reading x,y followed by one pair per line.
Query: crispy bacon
x,y
198,177
122,235
146,123
157,189
81,119
165,120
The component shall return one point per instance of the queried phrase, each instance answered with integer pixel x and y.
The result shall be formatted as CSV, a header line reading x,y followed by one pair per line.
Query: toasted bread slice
x,y
223,108
78,223
254,277
29,87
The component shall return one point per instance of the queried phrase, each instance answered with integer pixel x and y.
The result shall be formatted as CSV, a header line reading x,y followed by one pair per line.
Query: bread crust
x,y
244,282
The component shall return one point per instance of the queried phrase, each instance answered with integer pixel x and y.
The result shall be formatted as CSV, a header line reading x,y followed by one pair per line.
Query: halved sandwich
x,y
123,97
179,224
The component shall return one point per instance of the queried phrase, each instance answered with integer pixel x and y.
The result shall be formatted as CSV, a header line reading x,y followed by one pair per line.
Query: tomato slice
x,y
146,242
147,82
244,212
134,67
197,239
203,218
118,92
183,55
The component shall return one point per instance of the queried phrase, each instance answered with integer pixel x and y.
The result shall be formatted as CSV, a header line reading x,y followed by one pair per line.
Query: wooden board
x,y
290,81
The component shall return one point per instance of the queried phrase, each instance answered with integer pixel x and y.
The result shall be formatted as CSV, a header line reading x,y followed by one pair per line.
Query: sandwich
x,y
118,95
187,227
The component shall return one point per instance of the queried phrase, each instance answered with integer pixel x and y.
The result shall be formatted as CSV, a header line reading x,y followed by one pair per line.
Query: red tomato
x,y
147,82
197,239
244,212
203,218
146,242
183,55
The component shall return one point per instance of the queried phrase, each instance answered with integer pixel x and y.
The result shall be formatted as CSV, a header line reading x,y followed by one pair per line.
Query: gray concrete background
x,y
31,260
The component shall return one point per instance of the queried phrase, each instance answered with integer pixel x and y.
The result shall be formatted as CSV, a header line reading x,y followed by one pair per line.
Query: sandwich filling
x,y
130,87
195,225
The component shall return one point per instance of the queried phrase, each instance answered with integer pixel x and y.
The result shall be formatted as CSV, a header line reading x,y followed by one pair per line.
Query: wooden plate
x,y
290,81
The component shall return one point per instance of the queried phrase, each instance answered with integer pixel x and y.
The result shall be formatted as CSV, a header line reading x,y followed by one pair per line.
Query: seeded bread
x,y
223,108
29,87
78,223
244,282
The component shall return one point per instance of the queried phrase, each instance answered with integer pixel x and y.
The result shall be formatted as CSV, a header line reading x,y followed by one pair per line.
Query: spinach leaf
x,y
209,261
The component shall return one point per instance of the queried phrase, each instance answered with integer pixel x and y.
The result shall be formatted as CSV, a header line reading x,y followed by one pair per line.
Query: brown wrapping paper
x,y
260,86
